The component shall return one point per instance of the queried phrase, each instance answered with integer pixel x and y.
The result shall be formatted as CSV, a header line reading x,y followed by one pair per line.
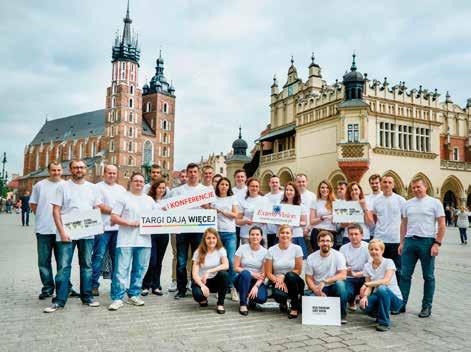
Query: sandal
x,y
243,312
293,316
220,310
203,304
157,292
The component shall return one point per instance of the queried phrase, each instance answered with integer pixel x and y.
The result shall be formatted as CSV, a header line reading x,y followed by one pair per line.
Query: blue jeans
x,y
229,240
132,263
301,243
46,244
152,278
353,285
381,302
185,241
65,253
339,289
103,242
418,249
463,235
25,217
244,283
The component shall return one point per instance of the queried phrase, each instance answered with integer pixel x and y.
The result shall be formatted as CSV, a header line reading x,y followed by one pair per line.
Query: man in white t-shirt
x,y
40,203
375,186
110,192
326,272
207,176
356,255
307,199
421,240
274,197
387,215
75,194
155,174
240,191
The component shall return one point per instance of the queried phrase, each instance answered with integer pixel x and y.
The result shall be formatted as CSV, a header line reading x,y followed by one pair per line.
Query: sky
x,y
221,56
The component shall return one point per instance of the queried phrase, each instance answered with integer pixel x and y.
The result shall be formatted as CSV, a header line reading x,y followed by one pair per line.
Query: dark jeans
x,y
390,251
185,241
103,242
381,302
237,237
463,235
25,217
244,283
315,232
65,253
218,284
46,244
339,289
295,286
229,240
159,246
418,249
353,285
272,239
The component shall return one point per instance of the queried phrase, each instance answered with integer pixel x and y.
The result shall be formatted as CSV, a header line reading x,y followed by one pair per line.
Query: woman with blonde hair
x,y
209,271
355,193
321,212
463,223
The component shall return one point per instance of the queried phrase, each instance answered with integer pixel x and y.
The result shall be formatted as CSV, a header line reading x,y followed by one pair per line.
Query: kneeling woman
x,y
209,270
283,265
248,263
380,294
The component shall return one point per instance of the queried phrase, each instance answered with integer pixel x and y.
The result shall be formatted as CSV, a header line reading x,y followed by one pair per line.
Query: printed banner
x,y
191,200
321,310
347,211
279,214
178,221
83,224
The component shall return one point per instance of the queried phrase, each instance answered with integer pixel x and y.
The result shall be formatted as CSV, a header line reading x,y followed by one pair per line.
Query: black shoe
x,y
382,328
220,310
73,293
425,312
44,295
293,316
283,307
244,312
203,304
95,292
180,295
157,292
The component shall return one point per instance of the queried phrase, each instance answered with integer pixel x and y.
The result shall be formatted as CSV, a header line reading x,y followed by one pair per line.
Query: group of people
x,y
367,265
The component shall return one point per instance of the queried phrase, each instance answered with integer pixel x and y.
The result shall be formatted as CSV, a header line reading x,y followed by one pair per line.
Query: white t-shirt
x,y
109,195
283,260
247,208
307,200
251,260
370,201
388,213
187,189
422,214
321,268
321,210
225,224
297,230
356,258
211,260
71,196
130,207
43,193
380,272
273,199
240,194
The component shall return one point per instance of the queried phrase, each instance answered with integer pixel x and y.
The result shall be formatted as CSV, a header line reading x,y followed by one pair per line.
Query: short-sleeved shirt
x,y
356,258
130,207
370,201
321,268
211,260
247,208
71,196
283,260
225,224
320,207
251,260
273,198
388,213
239,193
422,214
307,200
380,272
43,193
109,195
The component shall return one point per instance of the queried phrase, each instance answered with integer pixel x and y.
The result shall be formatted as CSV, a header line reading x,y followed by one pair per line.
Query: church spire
x,y
127,48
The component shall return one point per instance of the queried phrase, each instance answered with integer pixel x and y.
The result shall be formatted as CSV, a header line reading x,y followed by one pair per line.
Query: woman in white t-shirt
x,y
227,212
291,196
321,213
246,210
462,222
209,270
355,193
380,293
248,263
132,248
158,192
283,265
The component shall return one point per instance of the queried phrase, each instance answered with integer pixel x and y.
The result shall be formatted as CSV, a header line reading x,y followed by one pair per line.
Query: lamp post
x,y
4,178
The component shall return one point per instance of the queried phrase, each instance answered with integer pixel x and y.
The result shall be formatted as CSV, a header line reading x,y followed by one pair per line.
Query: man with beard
x,y
73,195
155,174
326,272
375,185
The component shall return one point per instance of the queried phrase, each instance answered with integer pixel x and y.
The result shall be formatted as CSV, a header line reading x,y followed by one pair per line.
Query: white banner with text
x,y
81,224
177,221
278,214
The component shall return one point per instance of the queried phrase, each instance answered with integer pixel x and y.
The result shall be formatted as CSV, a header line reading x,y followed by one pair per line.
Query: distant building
x,y
217,162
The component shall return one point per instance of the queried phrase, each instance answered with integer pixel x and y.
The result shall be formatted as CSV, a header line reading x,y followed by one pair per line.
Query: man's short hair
x,y
54,162
301,175
206,167
192,166
155,166
324,233
383,177
419,179
239,171
274,176
354,226
73,161
110,165
342,182
374,177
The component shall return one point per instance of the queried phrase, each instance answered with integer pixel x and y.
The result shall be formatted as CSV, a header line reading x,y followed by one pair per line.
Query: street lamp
x,y
4,178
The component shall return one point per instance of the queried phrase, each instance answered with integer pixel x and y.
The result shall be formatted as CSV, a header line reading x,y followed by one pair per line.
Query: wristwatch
x,y
437,242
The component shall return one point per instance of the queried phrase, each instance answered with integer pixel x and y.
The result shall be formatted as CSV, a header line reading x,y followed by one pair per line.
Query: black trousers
x,y
219,284
152,277
25,217
390,251
295,286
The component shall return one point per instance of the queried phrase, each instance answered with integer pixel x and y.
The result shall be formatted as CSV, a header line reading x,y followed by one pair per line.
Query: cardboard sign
x,y
347,211
178,221
191,200
279,214
83,224
321,310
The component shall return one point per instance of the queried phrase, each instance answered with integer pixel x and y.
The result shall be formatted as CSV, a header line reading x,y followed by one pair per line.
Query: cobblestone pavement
x,y
165,324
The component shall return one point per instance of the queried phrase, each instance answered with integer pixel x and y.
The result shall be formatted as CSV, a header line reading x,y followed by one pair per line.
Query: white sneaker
x,y
234,295
93,304
135,301
115,305
52,308
188,285
172,287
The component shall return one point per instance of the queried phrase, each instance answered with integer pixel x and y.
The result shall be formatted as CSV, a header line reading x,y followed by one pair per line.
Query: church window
x,y
111,146
113,102
131,117
130,147
164,165
131,102
165,108
130,132
130,161
164,151
165,138
164,124
131,89
148,106
123,70
456,154
113,88
148,152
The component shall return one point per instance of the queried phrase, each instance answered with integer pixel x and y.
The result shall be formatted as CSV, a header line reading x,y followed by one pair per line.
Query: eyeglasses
x,y
78,167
